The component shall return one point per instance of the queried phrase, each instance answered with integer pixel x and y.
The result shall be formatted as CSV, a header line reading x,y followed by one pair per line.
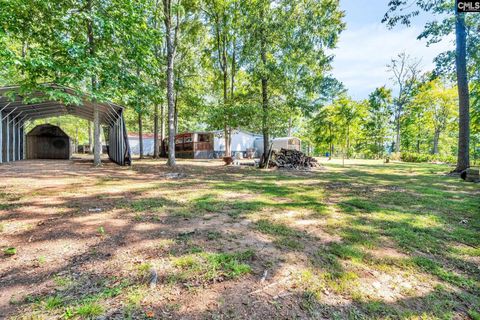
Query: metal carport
x,y
18,108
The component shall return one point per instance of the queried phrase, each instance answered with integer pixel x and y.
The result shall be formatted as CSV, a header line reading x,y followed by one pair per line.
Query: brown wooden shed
x,y
47,141
193,145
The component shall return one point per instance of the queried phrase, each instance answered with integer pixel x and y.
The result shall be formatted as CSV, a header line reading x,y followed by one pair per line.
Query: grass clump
x,y
475,315
289,243
10,251
436,269
207,203
276,229
53,302
89,310
213,235
286,237
152,204
133,300
62,282
207,266
101,231
143,269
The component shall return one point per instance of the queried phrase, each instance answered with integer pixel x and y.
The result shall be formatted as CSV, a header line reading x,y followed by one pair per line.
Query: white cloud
x,y
363,54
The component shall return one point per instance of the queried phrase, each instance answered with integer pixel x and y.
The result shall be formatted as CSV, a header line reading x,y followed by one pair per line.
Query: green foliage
x,y
422,157
376,127
224,49
339,124
475,315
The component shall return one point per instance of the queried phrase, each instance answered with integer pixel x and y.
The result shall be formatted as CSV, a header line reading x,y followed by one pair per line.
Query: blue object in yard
x,y
327,154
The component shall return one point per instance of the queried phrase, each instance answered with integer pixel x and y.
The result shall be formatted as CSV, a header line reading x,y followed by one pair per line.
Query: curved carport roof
x,y
18,106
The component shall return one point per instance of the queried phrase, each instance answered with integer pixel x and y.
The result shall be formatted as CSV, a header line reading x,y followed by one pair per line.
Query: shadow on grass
x,y
372,218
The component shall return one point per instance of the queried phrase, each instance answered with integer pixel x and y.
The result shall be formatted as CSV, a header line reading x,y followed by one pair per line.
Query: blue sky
x,y
367,46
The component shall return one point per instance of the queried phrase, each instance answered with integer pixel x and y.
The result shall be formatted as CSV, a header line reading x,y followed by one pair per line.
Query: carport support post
x,y
97,149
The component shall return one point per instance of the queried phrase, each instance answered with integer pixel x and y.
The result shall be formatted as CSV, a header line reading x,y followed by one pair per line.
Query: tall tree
x,y
178,16
81,44
158,50
171,18
405,72
285,46
450,20
438,108
377,120
347,114
463,160
222,19
97,144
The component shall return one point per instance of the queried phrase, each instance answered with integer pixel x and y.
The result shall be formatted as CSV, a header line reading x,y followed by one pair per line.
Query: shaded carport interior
x,y
19,107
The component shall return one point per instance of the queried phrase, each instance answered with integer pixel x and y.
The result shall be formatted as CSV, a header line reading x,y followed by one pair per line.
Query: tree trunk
x,y
97,149
330,141
348,142
167,8
232,84
418,143
266,138
176,114
171,115
226,130
463,160
436,137
90,140
397,132
226,133
155,132
140,134
162,131
265,109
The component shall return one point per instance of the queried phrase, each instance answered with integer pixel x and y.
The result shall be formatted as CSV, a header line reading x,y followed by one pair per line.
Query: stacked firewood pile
x,y
291,159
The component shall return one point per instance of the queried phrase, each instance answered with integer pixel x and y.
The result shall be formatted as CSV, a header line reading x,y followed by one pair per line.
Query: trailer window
x,y
203,138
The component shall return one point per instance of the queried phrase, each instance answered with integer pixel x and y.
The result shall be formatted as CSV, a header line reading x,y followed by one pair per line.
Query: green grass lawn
x,y
363,241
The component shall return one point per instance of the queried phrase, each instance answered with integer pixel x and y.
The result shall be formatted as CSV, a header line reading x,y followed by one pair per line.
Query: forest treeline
x,y
259,65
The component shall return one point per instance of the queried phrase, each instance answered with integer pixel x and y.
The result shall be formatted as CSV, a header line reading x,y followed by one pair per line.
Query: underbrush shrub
x,y
395,156
422,157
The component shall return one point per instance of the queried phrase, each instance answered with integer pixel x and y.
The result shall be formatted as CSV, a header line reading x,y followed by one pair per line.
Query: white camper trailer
x,y
242,143
147,139
289,143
